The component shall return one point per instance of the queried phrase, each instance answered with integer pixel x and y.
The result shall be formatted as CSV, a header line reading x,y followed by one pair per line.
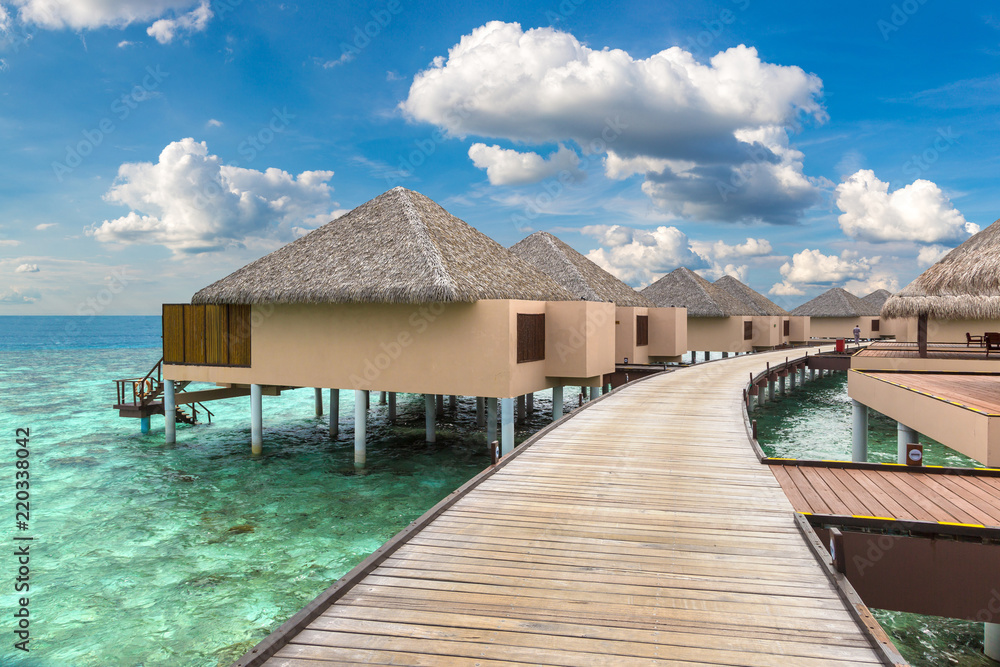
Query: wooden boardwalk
x,y
641,530
977,392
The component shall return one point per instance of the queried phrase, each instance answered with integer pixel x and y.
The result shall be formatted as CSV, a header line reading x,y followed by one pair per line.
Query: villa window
x,y
530,337
641,330
874,326
788,328
748,330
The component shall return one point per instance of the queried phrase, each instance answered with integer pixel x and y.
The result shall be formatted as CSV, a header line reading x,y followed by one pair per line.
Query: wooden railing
x,y
144,390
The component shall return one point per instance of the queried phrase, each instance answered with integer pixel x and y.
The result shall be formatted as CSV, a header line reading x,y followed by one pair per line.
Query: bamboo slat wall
x,y
213,335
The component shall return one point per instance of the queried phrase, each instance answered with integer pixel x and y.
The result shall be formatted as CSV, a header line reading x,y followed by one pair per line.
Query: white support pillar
x,y
430,414
319,402
803,379
991,640
256,419
491,420
791,377
859,450
812,373
507,426
169,412
360,426
334,413
557,402
904,435
480,411
584,395
781,385
392,407
382,397
144,425
770,389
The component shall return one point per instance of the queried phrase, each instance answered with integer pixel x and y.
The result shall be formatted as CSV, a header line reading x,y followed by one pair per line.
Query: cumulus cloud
x,y
723,251
212,122
698,127
916,212
189,201
4,19
90,14
27,268
19,296
639,256
877,281
932,254
165,30
509,167
46,225
812,267
9,242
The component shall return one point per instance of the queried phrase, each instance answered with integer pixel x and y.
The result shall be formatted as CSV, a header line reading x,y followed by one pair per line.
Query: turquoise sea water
x,y
815,423
146,554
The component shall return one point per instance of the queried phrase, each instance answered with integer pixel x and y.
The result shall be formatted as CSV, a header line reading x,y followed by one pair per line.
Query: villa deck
x,y
639,530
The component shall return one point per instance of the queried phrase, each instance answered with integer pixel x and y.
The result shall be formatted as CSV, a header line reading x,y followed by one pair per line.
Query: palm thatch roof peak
x,y
836,302
684,287
752,298
964,284
877,298
400,247
575,272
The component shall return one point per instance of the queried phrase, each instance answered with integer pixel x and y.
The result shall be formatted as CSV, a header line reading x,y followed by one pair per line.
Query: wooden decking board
x,y
974,497
871,505
641,531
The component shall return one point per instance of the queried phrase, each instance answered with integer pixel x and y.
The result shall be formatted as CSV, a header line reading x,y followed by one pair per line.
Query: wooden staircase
x,y
143,397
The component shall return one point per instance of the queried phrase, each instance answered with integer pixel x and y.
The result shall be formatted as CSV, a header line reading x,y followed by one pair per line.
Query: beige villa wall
x,y
767,331
668,332
717,334
968,432
625,330
946,331
579,343
455,348
841,327
800,329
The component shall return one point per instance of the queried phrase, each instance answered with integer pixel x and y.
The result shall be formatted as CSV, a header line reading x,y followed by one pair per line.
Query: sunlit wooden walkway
x,y
641,530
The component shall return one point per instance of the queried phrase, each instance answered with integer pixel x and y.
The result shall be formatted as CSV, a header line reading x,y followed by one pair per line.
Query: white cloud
x,y
932,254
345,58
125,44
165,30
509,167
16,296
699,126
8,242
27,268
876,281
722,251
916,212
812,267
89,14
214,123
4,19
46,225
638,256
189,201
3,65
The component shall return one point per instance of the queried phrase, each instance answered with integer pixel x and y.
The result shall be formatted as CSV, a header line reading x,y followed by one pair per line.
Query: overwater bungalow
x,y
835,313
644,333
716,320
958,295
888,327
397,295
773,325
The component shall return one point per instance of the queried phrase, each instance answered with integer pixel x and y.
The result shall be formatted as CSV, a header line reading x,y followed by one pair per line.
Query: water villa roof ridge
x,y
575,272
684,287
836,302
400,247
961,285
750,296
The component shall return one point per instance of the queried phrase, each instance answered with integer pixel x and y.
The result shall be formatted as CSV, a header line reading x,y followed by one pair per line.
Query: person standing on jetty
x,y
857,334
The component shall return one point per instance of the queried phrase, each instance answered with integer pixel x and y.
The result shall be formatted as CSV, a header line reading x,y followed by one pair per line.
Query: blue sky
x,y
151,147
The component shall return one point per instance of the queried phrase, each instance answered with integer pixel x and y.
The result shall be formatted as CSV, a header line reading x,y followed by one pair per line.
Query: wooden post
x,y
319,401
382,398
392,407
334,413
491,419
859,450
360,426
169,412
256,420
507,423
837,550
481,412
557,402
922,335
430,414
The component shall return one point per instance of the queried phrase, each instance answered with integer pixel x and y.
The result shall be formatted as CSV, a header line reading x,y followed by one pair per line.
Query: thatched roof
x,y
755,300
400,247
684,287
877,298
965,284
577,274
836,302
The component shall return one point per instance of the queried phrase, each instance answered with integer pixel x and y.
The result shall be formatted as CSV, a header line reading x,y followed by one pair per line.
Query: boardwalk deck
x,y
642,530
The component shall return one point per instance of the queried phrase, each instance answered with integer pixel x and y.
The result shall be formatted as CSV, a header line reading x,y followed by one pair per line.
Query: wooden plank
x,y
814,498
216,329
173,333
194,334
239,335
870,503
985,502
